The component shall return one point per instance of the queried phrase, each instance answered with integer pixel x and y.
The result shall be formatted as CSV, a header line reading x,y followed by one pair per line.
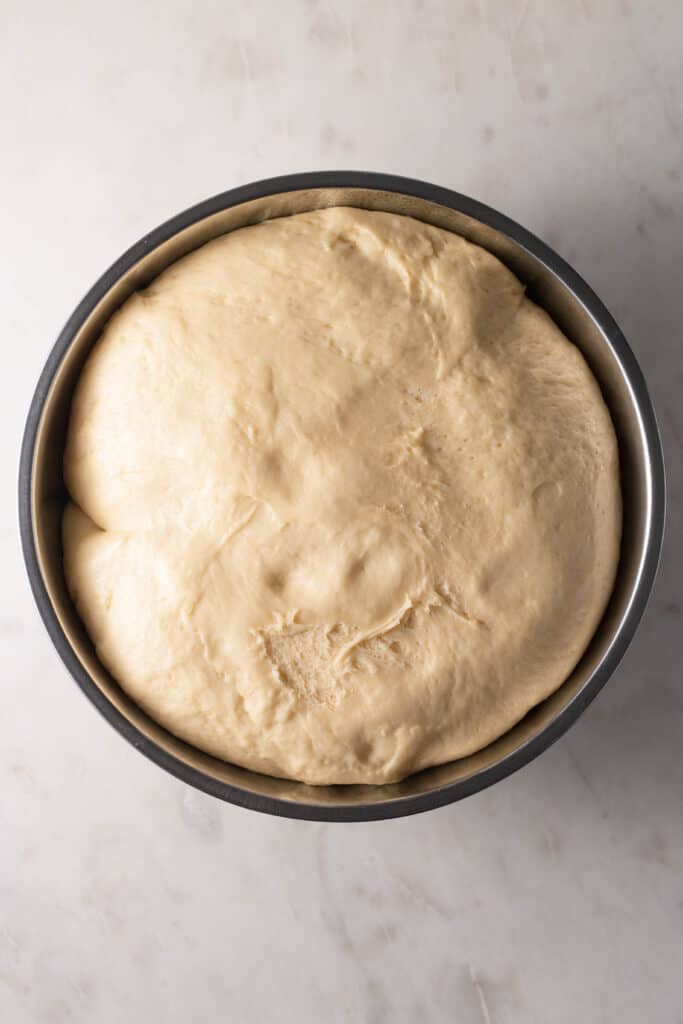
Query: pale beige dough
x,y
345,503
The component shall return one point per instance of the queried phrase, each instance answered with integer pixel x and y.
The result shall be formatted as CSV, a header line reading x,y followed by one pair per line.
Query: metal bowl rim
x,y
625,630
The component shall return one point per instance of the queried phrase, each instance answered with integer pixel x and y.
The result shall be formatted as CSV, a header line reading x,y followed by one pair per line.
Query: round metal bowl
x,y
552,284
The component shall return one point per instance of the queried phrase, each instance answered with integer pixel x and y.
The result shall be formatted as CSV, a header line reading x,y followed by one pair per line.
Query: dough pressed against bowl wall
x,y
347,502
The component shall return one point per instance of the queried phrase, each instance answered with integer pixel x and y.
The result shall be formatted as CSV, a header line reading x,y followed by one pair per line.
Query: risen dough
x,y
345,503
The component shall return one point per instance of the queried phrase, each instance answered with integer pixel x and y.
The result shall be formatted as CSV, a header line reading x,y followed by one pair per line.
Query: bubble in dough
x,y
344,503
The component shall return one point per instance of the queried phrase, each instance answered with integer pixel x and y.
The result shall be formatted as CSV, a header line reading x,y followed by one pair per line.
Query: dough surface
x,y
345,503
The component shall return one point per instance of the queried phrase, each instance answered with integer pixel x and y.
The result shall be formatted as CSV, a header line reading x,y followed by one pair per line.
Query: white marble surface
x,y
556,896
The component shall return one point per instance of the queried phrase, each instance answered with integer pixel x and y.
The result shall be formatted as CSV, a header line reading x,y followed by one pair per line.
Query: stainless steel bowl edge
x,y
551,282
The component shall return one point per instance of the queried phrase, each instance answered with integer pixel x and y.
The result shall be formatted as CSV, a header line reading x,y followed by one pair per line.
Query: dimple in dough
x,y
345,503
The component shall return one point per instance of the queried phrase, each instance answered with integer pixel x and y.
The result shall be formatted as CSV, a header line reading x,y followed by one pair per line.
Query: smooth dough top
x,y
345,503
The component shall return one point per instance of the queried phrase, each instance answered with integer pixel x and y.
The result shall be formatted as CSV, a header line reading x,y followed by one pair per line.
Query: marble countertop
x,y
557,895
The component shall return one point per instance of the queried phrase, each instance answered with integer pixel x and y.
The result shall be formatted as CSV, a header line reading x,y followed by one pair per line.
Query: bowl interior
x,y
545,277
